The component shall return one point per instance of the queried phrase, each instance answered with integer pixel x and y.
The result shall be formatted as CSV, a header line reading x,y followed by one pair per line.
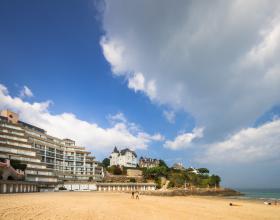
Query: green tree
x,y
162,164
106,162
214,180
193,179
178,179
155,172
203,170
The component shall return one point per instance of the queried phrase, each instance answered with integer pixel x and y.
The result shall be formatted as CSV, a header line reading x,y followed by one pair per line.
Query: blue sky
x,y
57,53
54,49
113,76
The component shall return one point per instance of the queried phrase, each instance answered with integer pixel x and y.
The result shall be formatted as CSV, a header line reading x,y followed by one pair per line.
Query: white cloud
x,y
137,82
246,146
218,60
119,117
184,140
268,47
155,137
26,92
114,52
170,116
122,133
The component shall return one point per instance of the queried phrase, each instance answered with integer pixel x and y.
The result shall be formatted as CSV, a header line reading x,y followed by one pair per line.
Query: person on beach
x,y
137,195
132,194
231,204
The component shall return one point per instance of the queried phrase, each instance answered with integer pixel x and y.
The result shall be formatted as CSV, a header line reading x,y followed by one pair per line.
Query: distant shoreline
x,y
260,194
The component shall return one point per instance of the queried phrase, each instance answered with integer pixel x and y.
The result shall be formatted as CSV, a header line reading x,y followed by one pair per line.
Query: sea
x,y
260,194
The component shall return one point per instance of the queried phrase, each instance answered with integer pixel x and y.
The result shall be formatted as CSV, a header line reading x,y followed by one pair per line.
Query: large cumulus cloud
x,y
216,60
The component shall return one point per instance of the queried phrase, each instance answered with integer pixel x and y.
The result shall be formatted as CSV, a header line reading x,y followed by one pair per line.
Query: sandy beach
x,y
95,205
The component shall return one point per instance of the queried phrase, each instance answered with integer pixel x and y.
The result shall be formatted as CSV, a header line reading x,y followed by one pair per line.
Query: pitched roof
x,y
123,152
115,150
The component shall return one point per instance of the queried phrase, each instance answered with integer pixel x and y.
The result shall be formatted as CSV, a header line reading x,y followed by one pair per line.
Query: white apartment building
x,y
125,157
48,158
14,146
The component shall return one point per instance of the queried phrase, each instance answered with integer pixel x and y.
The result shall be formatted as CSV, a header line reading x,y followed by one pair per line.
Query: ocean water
x,y
260,194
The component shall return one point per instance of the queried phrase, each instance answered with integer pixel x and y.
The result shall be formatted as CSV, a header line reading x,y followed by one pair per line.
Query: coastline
x,y
262,194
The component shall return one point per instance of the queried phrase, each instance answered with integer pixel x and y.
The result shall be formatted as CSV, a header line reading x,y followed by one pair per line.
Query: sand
x,y
96,205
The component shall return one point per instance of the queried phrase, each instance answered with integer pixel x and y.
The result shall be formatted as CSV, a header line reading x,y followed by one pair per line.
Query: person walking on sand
x,y
132,194
137,195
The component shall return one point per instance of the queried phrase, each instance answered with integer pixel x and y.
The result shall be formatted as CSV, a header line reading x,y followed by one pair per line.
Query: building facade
x,y
125,157
48,159
178,166
15,145
148,162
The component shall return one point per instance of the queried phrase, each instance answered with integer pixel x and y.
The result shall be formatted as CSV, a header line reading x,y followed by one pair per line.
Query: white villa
x,y
125,157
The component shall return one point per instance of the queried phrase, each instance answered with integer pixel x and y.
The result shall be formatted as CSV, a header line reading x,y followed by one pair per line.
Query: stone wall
x,y
134,172
122,178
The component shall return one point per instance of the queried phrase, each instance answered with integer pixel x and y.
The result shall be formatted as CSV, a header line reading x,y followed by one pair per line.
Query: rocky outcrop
x,y
195,192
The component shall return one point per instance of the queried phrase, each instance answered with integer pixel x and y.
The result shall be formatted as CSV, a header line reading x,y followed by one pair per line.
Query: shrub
x,y
117,171
170,184
158,183
178,179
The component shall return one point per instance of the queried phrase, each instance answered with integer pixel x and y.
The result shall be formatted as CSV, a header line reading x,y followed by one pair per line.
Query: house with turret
x,y
124,157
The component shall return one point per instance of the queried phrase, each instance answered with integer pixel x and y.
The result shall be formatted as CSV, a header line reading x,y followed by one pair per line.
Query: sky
x,y
193,81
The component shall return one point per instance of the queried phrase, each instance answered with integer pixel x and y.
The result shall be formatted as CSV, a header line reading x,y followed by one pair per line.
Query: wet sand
x,y
95,205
